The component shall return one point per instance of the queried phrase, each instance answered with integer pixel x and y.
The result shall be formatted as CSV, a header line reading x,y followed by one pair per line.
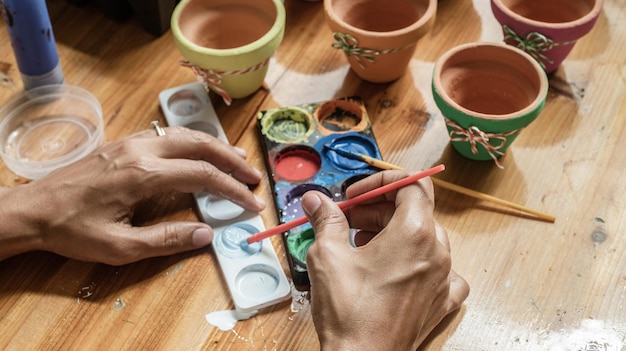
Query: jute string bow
x,y
474,136
535,44
212,79
350,45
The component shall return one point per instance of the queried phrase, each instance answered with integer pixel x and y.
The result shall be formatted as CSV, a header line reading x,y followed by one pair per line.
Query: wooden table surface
x,y
535,285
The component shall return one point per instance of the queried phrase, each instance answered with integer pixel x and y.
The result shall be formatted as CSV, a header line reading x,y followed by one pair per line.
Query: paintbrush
x,y
343,205
459,189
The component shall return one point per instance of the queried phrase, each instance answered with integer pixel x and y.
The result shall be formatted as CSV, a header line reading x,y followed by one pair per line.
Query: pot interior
x,y
226,24
379,15
550,11
490,80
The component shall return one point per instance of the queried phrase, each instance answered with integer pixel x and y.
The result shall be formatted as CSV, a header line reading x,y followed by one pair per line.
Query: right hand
x,y
390,293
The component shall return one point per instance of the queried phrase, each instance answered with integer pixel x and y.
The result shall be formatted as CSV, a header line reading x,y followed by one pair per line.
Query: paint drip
x,y
226,320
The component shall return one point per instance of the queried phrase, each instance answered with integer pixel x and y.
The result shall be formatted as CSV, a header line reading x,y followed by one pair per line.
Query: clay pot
x,y
487,93
379,37
228,43
547,30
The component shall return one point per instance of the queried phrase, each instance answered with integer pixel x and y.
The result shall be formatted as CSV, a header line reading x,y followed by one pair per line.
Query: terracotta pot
x,y
379,37
547,30
228,43
487,93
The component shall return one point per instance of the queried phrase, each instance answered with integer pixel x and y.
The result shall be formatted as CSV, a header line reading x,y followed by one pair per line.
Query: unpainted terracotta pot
x,y
546,29
487,93
231,41
379,37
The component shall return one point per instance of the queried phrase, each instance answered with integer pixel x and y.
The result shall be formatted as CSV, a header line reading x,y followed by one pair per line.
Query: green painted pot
x,y
230,41
487,93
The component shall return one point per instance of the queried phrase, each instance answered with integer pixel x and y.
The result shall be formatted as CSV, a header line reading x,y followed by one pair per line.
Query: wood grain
x,y
535,285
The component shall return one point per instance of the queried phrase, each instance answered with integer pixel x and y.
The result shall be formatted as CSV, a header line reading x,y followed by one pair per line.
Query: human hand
x,y
392,291
84,210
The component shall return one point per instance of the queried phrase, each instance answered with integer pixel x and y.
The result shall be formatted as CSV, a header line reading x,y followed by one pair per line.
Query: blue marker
x,y
30,30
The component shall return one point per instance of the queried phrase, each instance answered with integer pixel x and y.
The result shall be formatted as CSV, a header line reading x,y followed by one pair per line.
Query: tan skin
x,y
394,289
84,212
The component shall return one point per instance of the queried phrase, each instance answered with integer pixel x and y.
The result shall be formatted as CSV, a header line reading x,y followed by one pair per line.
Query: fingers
x,y
459,290
328,221
183,143
161,239
185,160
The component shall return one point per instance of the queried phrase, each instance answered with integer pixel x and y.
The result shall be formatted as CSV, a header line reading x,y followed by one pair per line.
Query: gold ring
x,y
160,131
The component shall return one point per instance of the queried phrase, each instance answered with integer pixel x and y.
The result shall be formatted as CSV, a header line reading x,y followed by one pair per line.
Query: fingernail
x,y
201,237
310,203
259,200
240,151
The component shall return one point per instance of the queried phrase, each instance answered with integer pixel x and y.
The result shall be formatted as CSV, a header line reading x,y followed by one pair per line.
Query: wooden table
x,y
535,285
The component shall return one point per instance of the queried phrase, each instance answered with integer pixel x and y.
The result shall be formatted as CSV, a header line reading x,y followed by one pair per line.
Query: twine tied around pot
x,y
212,79
350,45
474,136
534,44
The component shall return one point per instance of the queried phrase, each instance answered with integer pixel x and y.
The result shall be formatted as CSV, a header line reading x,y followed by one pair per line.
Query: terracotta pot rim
x,y
535,104
595,12
428,15
274,31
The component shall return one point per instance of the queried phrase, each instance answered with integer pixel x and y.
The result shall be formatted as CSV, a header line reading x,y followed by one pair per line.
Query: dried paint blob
x,y
257,281
226,320
185,103
299,244
340,116
297,163
287,125
231,242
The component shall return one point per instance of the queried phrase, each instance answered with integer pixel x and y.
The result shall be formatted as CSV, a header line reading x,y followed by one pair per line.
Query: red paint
x,y
297,164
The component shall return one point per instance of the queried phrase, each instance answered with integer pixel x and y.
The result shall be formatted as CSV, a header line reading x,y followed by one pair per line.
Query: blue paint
x,y
335,173
231,242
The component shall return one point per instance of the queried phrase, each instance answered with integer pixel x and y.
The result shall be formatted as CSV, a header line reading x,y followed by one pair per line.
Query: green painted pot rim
x,y
442,97
276,30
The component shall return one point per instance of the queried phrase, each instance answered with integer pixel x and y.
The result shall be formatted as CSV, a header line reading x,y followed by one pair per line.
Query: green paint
x,y
298,244
287,125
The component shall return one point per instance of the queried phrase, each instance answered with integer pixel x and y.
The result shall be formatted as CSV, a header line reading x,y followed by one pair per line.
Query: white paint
x,y
591,335
226,320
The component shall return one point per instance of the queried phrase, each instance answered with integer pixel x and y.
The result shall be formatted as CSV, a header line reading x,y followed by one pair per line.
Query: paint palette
x,y
253,274
295,140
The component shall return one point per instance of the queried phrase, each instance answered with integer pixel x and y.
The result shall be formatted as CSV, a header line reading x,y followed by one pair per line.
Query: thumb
x,y
168,238
326,218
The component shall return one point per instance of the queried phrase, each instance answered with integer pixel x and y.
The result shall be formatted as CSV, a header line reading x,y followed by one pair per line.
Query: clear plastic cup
x,y
49,127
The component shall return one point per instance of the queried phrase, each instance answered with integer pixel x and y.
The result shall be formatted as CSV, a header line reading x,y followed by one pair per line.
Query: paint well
x,y
293,207
340,116
299,244
297,163
353,143
184,103
287,125
202,126
228,241
258,281
222,209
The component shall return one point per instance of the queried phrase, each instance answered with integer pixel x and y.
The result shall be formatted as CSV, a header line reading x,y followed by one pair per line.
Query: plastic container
x,y
49,127
32,38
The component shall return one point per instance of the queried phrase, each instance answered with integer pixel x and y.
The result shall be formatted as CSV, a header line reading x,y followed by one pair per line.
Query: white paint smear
x,y
226,320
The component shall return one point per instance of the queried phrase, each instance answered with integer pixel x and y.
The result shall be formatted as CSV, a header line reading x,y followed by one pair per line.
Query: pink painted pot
x,y
379,37
546,29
